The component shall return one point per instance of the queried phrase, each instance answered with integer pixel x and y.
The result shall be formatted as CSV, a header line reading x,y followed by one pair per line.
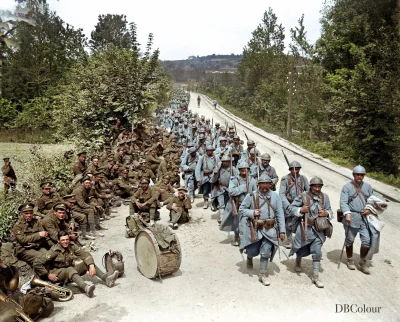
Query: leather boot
x,y
298,265
350,261
249,262
110,280
263,279
205,206
317,282
236,241
363,263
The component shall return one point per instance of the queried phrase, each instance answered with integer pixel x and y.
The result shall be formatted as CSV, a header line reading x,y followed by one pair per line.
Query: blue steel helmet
x,y
243,165
316,180
294,164
210,148
191,150
359,169
264,179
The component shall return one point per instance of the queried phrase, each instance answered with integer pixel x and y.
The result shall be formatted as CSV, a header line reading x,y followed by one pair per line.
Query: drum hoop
x,y
149,235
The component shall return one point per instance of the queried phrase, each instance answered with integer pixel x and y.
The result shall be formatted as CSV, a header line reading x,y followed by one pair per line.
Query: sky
x,y
188,28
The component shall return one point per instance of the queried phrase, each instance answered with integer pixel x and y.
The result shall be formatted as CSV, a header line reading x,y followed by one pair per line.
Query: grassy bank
x,y
324,149
21,136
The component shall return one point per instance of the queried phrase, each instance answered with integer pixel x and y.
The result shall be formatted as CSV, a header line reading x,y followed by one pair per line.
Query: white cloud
x,y
183,28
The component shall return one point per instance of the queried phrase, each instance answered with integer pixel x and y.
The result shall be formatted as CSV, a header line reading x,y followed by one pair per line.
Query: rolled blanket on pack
x,y
377,207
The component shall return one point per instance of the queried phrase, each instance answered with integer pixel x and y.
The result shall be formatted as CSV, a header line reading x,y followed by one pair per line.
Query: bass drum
x,y
151,260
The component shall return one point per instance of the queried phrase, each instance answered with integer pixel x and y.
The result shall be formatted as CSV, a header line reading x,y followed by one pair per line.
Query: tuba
x,y
20,316
64,294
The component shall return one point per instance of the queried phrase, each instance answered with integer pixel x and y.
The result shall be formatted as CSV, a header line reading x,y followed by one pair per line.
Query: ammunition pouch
x,y
322,224
206,172
339,215
266,224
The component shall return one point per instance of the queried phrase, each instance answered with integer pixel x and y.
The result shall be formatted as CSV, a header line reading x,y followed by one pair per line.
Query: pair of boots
x,y
89,289
363,263
316,264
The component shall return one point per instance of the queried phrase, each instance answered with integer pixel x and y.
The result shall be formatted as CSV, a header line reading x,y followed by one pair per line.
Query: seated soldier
x,y
165,190
32,239
179,208
74,217
144,172
122,186
175,178
153,161
83,205
57,265
144,201
55,222
47,200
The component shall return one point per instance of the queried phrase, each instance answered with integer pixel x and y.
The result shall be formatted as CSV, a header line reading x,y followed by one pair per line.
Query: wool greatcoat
x,y
270,205
315,238
238,189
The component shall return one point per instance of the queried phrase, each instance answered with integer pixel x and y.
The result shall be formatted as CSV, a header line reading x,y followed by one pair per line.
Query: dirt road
x,y
213,283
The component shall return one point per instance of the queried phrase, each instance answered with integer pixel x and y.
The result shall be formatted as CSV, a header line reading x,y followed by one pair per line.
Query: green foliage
x,y
8,113
35,114
360,52
113,29
46,52
113,83
8,214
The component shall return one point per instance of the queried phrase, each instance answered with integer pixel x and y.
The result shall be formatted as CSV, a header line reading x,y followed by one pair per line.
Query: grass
x,y
21,136
323,149
21,151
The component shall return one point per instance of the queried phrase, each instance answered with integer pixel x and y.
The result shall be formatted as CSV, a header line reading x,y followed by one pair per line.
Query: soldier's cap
x,y
222,138
94,157
231,129
166,177
223,129
236,137
69,198
81,152
264,179
249,142
182,189
6,158
98,174
120,149
85,178
59,206
144,181
46,184
26,207
192,149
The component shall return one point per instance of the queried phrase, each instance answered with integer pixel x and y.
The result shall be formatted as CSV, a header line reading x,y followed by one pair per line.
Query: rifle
x,y
234,124
344,244
287,161
247,138
212,122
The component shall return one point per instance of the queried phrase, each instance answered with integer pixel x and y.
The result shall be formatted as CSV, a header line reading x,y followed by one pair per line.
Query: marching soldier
x,y
261,223
31,237
237,150
223,149
179,208
353,199
220,181
292,185
239,186
312,205
56,265
205,167
9,177
252,145
188,166
265,168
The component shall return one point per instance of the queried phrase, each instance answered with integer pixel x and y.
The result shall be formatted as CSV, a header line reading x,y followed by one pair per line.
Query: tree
x,y
111,29
360,50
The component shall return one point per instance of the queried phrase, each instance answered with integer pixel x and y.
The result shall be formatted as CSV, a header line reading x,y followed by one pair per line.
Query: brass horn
x,y
20,316
64,294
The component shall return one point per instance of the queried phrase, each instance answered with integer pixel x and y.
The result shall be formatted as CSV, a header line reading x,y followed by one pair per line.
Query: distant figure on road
x,y
198,101
215,103
9,177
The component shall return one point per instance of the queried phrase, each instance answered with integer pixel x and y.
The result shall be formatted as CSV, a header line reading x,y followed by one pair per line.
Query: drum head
x,y
146,253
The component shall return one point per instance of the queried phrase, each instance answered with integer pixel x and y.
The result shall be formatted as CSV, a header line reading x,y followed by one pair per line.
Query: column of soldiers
x,y
242,186
143,167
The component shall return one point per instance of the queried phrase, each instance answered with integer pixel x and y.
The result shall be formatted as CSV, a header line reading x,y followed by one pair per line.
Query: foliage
x,y
360,52
113,29
46,52
113,83
8,113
